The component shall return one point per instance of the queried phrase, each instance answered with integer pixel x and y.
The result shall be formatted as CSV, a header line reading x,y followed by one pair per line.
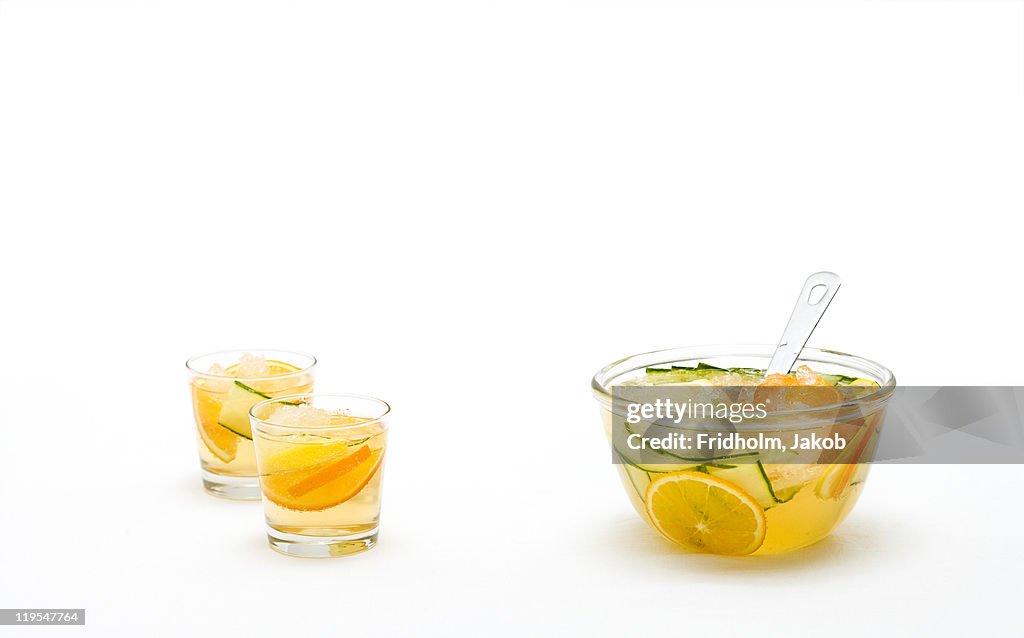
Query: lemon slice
x,y
300,457
263,369
314,478
705,514
265,381
864,382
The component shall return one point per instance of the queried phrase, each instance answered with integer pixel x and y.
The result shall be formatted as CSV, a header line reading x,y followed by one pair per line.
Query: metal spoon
x,y
807,312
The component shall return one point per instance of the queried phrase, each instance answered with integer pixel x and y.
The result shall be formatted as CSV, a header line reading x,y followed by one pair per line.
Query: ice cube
x,y
218,381
737,379
806,376
252,365
302,415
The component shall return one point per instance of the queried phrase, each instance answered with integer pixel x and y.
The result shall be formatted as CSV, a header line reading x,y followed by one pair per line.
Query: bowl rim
x,y
887,382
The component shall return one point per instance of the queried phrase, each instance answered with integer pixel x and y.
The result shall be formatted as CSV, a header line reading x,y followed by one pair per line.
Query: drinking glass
x,y
223,388
320,460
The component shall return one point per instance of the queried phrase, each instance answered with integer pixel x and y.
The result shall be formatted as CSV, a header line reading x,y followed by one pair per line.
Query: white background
x,y
454,205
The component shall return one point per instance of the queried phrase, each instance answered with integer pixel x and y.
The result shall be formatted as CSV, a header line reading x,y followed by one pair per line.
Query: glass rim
x,y
190,364
291,399
887,384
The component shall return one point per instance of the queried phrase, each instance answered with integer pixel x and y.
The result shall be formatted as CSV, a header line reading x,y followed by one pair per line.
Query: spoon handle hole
x,y
817,294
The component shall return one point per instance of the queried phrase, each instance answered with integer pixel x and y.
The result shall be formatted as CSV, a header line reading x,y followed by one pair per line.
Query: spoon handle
x,y
807,312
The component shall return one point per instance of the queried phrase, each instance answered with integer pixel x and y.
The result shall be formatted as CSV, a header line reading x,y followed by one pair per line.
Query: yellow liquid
x,y
244,463
818,495
805,519
323,484
209,396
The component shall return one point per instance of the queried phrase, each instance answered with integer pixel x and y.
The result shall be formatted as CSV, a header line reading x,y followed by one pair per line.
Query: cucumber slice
x,y
838,379
706,370
749,371
708,366
787,479
672,461
661,468
234,416
684,374
730,460
786,495
752,479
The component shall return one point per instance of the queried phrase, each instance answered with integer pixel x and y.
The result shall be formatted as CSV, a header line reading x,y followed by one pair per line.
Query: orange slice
x,y
705,514
839,476
315,477
220,441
